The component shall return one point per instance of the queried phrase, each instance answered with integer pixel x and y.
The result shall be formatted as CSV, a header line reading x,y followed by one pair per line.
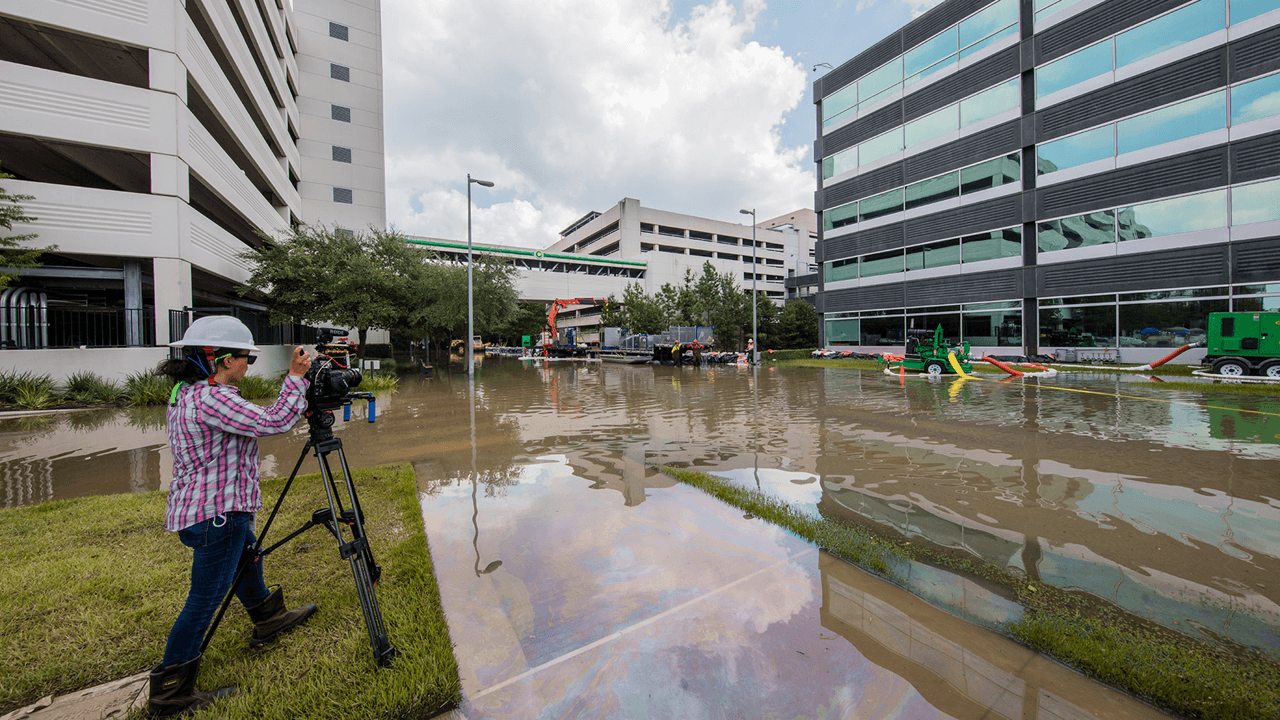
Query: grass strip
x,y
90,587
1177,672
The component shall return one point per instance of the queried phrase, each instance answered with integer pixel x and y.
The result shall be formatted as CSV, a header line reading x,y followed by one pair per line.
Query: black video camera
x,y
331,377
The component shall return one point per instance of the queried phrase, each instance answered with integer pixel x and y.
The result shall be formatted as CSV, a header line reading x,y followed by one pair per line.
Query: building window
x,y
339,72
343,233
342,195
340,113
339,32
341,154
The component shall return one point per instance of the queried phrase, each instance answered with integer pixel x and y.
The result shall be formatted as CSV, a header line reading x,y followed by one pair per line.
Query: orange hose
x,y
1171,356
1002,366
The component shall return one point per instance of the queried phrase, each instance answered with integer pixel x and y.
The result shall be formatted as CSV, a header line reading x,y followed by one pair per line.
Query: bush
x,y
377,352
254,387
144,388
86,387
379,381
29,386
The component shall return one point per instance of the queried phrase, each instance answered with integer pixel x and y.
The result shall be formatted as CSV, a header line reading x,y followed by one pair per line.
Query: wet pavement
x,y
579,581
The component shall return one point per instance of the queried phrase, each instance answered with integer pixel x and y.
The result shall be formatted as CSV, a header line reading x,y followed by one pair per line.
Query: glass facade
x,y
984,28
1158,320
1258,202
957,116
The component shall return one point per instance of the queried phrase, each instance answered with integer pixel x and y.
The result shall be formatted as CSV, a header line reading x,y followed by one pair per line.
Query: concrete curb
x,y
115,699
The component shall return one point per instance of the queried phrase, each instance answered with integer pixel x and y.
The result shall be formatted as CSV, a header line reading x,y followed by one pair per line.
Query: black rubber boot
x,y
270,618
173,690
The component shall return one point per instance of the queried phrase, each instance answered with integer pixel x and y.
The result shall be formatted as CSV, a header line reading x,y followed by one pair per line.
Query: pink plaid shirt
x,y
212,433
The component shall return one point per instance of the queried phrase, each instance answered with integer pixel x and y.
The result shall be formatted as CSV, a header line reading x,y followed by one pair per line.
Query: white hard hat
x,y
219,331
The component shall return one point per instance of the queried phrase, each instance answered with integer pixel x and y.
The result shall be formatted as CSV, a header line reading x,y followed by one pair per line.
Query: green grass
x,y
28,390
1180,673
379,382
89,588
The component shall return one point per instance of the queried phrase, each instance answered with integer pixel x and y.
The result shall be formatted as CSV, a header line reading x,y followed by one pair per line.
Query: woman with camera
x,y
214,495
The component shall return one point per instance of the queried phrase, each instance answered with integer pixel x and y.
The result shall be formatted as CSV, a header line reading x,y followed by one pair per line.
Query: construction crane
x,y
550,334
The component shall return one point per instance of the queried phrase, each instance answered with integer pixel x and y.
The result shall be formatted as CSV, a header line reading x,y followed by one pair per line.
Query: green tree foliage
x,y
640,313
437,306
12,254
797,325
528,319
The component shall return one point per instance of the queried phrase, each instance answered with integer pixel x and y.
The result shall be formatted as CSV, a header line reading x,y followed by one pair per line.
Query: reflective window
x,y
879,205
839,101
992,245
1079,149
942,254
1174,294
1171,30
989,174
932,125
1045,8
1242,10
842,331
1166,325
882,330
879,80
993,101
884,263
1259,202
842,161
1076,232
880,146
993,17
931,70
1255,99
1256,304
930,52
1001,328
846,269
840,217
933,190
1183,120
1171,217
979,46
1257,289
924,326
1075,68
1078,327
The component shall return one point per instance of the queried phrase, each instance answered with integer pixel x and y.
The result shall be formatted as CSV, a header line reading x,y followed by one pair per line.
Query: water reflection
x,y
1167,508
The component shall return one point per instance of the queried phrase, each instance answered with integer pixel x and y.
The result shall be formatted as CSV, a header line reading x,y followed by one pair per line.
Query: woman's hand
x,y
300,363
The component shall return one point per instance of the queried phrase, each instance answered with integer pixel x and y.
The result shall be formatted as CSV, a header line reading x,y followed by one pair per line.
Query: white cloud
x,y
571,105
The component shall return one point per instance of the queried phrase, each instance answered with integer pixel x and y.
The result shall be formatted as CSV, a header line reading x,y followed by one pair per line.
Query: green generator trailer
x,y
929,354
1244,343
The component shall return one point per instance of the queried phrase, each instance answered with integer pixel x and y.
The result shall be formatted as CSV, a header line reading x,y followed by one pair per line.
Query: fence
x,y
33,327
264,333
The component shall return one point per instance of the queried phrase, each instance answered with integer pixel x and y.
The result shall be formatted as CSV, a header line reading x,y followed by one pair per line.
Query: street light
x,y
471,360
755,338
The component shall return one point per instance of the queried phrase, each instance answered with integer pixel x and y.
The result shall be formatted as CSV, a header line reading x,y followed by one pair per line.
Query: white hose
x,y
1240,378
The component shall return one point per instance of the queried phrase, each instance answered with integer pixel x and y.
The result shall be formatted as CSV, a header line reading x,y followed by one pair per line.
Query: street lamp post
x,y
755,270
469,344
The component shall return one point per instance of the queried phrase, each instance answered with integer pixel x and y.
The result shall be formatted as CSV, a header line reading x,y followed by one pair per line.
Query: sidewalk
x,y
114,699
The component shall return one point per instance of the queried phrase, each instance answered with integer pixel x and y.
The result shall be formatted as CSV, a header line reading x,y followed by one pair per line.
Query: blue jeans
x,y
217,553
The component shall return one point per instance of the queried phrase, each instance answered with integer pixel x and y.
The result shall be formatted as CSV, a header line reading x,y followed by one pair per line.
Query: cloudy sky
x,y
693,106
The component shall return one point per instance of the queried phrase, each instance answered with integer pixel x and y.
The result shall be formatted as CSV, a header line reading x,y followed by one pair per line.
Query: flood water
x,y
566,562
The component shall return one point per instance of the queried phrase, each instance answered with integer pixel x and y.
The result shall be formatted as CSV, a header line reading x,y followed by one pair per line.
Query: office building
x,y
1036,175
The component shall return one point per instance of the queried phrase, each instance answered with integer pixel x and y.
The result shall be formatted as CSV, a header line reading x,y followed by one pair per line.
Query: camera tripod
x,y
365,571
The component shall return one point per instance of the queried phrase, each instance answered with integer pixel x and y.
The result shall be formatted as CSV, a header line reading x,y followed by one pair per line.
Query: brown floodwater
x,y
1164,502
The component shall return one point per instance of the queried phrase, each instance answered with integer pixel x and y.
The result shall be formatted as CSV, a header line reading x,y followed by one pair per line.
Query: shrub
x,y
34,396
253,387
86,387
377,352
379,381
143,388
30,385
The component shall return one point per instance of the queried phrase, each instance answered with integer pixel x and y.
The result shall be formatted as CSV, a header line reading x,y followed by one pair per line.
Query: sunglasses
x,y
251,358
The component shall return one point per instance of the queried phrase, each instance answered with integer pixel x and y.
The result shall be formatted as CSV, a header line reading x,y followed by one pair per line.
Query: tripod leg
x,y
357,552
251,553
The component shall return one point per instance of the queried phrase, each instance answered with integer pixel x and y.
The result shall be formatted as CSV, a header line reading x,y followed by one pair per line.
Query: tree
x,y
316,274
437,305
724,306
11,254
528,319
641,314
798,325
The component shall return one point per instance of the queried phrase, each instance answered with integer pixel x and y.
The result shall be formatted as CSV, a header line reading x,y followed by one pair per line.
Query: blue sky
x,y
693,106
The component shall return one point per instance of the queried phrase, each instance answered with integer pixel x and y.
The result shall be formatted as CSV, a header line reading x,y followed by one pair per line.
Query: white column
x,y
173,292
